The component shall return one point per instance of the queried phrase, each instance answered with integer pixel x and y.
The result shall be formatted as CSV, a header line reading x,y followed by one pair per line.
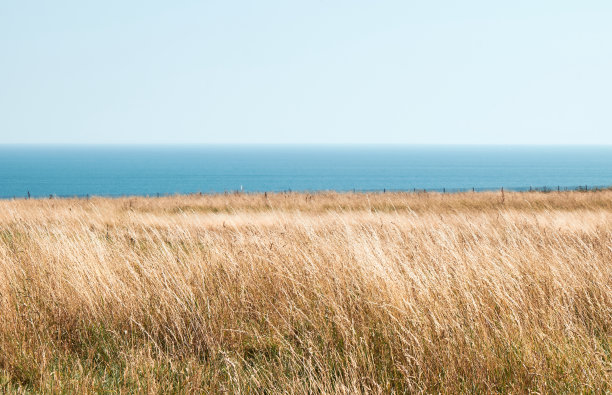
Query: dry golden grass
x,y
298,293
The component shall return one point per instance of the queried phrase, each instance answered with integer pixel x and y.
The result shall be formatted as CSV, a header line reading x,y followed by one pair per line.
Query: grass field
x,y
299,293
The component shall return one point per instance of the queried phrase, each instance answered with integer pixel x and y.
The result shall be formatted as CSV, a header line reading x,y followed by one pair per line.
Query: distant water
x,y
148,170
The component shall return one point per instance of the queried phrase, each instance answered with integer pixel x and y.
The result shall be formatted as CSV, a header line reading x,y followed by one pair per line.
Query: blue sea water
x,y
149,170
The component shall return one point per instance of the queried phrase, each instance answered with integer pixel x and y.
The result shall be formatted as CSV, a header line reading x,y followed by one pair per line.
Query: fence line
x,y
443,190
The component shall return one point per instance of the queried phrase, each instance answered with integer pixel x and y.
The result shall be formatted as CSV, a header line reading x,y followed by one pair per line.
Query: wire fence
x,y
543,189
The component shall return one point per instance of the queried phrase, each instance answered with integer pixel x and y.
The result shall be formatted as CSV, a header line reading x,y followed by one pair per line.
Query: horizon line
x,y
312,144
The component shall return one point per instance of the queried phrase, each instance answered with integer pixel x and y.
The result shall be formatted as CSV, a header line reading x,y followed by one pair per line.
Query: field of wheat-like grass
x,y
300,293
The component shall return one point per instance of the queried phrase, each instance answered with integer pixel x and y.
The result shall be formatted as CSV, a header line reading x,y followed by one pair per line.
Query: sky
x,y
306,72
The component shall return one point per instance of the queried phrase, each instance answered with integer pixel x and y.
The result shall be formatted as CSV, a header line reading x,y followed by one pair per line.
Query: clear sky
x,y
517,72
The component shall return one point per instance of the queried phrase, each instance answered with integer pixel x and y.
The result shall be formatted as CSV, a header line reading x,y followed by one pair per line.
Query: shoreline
x,y
558,189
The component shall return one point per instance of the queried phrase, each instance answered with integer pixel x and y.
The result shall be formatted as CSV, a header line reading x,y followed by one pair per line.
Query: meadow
x,y
308,293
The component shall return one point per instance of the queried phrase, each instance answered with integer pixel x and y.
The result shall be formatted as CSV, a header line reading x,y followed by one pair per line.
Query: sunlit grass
x,y
301,293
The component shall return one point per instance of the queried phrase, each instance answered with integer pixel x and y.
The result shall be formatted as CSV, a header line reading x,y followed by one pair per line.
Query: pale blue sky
x,y
519,72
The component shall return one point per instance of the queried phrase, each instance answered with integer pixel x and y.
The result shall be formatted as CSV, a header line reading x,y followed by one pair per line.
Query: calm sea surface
x,y
148,170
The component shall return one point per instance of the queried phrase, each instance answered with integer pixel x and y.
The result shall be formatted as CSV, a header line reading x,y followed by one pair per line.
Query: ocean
x,y
64,171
